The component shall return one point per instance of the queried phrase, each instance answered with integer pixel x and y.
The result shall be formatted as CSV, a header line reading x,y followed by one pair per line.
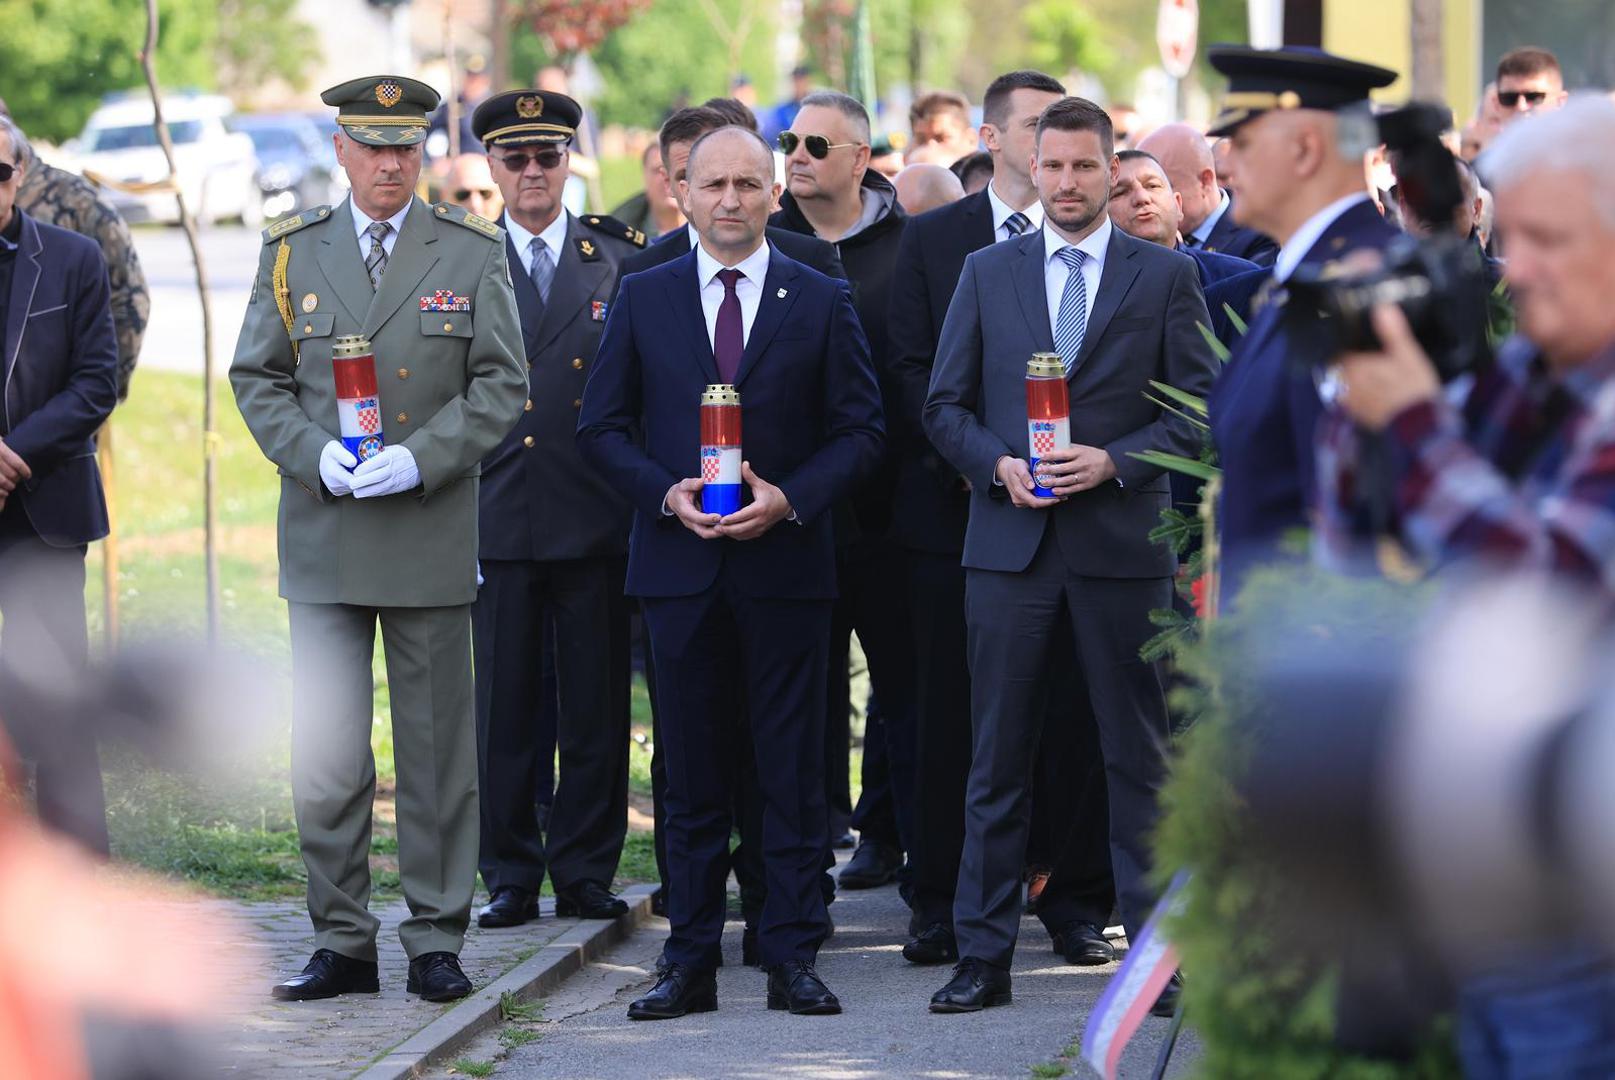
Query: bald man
x,y
1208,218
925,186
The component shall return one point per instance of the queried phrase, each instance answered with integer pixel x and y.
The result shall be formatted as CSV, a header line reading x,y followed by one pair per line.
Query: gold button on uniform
x,y
529,365
577,403
529,406
403,373
527,441
448,326
308,329
403,418
577,363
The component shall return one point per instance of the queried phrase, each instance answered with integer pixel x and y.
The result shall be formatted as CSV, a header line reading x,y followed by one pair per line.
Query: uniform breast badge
x,y
597,310
445,300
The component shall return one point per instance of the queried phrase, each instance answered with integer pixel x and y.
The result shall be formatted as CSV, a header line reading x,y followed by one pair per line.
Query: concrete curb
x,y
534,977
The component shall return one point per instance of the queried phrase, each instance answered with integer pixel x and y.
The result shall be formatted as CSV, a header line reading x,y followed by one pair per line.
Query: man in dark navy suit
x,y
1298,120
1209,220
552,546
1144,204
60,384
738,606
1120,312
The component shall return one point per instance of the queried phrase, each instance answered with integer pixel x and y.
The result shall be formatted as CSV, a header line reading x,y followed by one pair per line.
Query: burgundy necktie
x,y
728,339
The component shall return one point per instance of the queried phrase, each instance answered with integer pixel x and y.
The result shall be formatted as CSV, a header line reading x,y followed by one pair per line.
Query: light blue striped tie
x,y
1072,322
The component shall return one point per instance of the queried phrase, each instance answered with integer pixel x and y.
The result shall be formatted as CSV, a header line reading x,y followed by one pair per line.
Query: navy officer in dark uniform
x,y
1299,122
553,546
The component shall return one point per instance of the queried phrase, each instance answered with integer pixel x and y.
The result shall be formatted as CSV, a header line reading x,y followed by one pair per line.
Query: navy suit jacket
x,y
1265,408
811,424
1228,238
61,379
1215,267
1142,327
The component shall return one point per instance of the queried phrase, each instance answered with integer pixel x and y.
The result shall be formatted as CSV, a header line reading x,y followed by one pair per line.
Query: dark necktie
x,y
728,337
375,262
1016,224
1191,241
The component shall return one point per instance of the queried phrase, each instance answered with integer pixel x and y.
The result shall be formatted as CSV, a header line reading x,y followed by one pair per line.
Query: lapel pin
x,y
780,294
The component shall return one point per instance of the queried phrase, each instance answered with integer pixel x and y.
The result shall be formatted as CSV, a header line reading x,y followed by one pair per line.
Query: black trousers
x,y
875,815
45,639
716,653
589,815
1010,620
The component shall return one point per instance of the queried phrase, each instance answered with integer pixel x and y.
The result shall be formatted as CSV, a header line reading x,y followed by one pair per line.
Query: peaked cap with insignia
x,y
519,117
383,110
1262,80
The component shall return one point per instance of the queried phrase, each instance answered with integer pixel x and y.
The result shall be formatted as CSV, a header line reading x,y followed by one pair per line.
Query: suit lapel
x,y
1114,282
342,265
24,280
412,257
978,231
779,295
1032,290
684,297
575,281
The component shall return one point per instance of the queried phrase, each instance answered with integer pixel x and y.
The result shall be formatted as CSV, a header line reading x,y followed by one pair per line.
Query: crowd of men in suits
x,y
538,382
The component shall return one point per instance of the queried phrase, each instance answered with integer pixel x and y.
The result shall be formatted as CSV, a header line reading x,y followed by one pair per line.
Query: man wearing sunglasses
x,y
469,183
1529,80
553,537
832,193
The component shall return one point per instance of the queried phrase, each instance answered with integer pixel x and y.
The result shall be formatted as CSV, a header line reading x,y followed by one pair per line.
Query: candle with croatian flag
x,y
720,449
1048,412
358,408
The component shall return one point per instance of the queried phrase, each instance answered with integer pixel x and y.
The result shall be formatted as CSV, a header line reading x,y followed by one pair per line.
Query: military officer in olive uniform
x,y
392,538
554,546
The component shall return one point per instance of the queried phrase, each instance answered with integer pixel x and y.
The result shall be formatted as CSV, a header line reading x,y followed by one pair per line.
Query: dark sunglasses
x,y
465,193
817,145
7,171
547,159
1510,98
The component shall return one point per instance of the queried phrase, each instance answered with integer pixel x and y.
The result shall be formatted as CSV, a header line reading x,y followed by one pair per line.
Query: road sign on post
x,y
1176,28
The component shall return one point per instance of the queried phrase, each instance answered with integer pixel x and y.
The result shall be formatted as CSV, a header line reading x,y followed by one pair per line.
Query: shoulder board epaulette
x,y
287,226
610,226
475,222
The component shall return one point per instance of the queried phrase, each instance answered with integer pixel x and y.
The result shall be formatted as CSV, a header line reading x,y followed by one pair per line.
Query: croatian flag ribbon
x,y
720,450
1133,990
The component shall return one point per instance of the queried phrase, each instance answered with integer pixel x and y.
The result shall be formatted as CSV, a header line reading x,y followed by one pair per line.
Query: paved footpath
x,y
885,1031
341,1036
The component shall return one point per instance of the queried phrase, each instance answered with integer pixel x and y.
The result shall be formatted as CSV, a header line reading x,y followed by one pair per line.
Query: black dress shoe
x,y
436,976
872,865
1167,1003
510,905
327,975
678,990
588,900
845,842
933,945
748,947
1084,944
794,985
976,985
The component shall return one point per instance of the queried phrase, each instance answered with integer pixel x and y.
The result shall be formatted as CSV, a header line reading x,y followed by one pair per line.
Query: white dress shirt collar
x,y
1311,230
554,237
1094,245
362,221
753,267
748,290
1203,233
1002,210
1056,272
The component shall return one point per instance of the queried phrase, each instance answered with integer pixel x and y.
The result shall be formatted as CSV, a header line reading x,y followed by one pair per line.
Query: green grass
x,y
472,1068
1048,1070
513,1010
512,1036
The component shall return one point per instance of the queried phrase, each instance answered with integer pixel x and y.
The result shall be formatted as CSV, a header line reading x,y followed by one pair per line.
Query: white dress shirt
x,y
1301,241
553,236
1055,271
361,222
1002,210
1203,233
749,289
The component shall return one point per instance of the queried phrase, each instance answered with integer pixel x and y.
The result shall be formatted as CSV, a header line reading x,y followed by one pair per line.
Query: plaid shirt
x,y
1523,476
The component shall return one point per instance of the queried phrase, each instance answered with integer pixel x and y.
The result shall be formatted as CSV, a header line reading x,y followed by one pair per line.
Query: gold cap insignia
x,y
530,106
310,302
389,94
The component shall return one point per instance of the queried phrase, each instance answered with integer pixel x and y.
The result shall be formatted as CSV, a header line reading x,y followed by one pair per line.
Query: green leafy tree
x,y
1060,36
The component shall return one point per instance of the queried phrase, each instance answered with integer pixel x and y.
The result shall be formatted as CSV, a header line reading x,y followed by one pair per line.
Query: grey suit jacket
x,y
1141,327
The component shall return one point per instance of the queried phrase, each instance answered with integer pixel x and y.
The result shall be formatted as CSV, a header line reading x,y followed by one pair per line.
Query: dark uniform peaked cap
x,y
383,110
1261,80
520,117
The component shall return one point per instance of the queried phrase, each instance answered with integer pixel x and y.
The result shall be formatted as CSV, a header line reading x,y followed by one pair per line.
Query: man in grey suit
x,y
392,539
1120,312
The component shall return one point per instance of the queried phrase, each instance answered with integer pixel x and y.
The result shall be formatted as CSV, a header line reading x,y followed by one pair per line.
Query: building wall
x,y
1380,32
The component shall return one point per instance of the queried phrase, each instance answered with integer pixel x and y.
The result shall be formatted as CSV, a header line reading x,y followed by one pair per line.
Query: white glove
x,y
388,473
336,465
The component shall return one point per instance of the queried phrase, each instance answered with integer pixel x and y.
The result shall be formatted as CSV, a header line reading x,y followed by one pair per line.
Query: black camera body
x,y
1439,282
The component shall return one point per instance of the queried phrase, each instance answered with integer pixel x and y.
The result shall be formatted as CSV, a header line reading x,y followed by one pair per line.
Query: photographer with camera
x,y
1299,125
1522,475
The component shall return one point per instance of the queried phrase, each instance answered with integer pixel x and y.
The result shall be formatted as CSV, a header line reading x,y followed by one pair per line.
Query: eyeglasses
x,y
547,159
464,194
1510,98
817,145
7,171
